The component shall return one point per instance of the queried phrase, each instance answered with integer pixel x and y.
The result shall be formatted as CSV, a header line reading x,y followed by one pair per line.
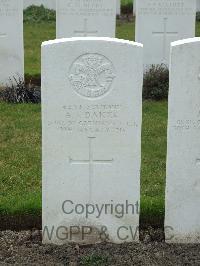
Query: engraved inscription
x,y
92,119
90,162
6,9
85,8
85,32
166,8
187,124
91,75
3,35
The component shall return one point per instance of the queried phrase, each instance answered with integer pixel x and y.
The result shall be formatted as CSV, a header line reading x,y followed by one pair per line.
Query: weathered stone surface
x,y
183,158
160,22
86,18
11,40
118,7
92,112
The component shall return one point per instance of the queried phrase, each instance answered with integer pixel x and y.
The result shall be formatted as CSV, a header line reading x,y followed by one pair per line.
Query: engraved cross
x,y
165,33
91,162
85,30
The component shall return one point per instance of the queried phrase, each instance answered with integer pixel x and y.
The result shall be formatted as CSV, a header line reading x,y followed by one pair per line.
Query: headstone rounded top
x,y
79,39
186,41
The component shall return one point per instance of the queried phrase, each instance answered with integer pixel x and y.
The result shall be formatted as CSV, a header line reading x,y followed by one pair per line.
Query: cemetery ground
x,y
20,177
20,160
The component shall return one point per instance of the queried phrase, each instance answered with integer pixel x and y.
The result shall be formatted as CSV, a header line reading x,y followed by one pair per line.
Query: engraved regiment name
x,y
166,8
91,75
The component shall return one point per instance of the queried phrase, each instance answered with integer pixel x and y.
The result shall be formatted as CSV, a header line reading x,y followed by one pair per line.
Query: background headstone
x,y
134,7
198,5
11,40
160,22
91,105
86,18
118,7
51,4
183,158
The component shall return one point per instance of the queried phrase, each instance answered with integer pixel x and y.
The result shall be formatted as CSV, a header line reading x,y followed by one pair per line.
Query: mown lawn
x,y
20,158
35,34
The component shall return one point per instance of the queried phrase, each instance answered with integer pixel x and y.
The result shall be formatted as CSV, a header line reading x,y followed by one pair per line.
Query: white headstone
x,y
183,159
82,18
51,4
91,105
134,7
118,7
160,22
198,5
11,40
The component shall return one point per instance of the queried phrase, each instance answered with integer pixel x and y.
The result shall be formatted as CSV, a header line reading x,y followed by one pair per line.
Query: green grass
x,y
154,142
198,29
35,34
125,31
125,2
20,158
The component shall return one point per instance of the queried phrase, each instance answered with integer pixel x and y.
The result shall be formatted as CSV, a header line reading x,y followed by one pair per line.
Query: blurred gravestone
x,y
118,7
198,5
11,40
182,210
160,22
92,113
134,7
82,18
